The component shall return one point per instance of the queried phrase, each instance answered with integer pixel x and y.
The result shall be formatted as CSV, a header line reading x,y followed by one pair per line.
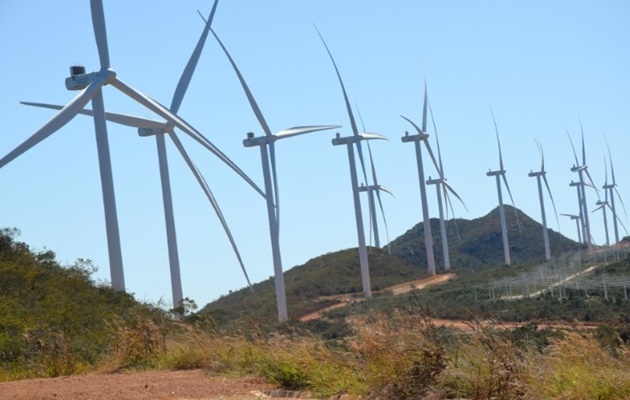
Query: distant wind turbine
x,y
355,139
374,190
578,221
612,189
602,205
500,173
268,157
442,186
543,174
581,169
422,136
90,86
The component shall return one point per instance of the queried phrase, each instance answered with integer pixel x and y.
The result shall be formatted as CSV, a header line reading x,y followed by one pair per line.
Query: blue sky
x,y
540,65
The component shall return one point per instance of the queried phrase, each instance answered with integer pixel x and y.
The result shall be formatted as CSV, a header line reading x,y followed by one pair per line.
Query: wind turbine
x,y
603,204
422,136
268,157
442,186
578,221
543,174
612,188
581,169
498,174
355,139
375,190
148,127
90,86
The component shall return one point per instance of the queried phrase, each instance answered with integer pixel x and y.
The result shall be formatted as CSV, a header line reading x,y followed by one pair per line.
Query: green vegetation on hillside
x,y
53,319
480,243
308,285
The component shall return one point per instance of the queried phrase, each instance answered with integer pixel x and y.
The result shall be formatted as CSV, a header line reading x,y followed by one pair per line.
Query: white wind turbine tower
x,y
499,174
422,136
148,127
542,176
268,157
90,86
578,221
612,189
442,186
581,169
356,139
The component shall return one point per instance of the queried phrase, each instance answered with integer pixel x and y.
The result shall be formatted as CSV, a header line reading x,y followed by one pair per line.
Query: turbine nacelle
x,y
414,138
578,168
79,80
435,181
495,173
251,140
539,173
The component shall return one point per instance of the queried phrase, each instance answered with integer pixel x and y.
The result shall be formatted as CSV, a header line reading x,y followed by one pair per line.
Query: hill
x,y
478,243
479,246
307,285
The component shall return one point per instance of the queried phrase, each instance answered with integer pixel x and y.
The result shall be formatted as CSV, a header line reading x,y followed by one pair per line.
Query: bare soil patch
x,y
146,385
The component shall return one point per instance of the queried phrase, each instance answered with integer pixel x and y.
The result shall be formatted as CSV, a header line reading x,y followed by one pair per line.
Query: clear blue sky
x,y
539,64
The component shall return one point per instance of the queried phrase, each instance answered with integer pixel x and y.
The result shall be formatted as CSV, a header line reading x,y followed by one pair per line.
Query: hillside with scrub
x,y
56,321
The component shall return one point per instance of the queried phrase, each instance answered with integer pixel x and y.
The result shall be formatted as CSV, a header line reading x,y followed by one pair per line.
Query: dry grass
x,y
401,355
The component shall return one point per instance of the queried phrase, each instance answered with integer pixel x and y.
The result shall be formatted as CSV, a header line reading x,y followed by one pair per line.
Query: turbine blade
x,y
420,131
592,183
621,201
437,140
542,156
362,160
598,208
428,146
424,107
274,177
449,204
577,163
353,123
300,130
622,225
374,180
367,184
507,186
100,32
122,119
248,93
496,130
386,190
380,204
183,125
184,80
371,136
212,199
605,174
612,170
56,122
553,203
583,147
450,189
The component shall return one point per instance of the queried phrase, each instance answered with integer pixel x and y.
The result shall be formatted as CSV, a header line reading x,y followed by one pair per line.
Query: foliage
x,y
478,243
310,286
53,319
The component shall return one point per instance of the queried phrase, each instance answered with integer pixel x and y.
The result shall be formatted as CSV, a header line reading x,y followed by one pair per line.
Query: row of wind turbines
x,y
90,86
